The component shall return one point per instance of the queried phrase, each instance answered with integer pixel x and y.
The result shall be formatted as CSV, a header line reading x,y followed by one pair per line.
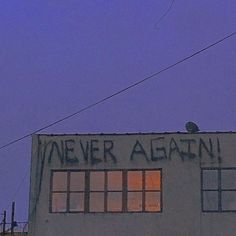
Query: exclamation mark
x,y
219,151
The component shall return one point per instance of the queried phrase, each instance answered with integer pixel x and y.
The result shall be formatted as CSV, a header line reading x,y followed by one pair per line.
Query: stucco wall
x,y
180,155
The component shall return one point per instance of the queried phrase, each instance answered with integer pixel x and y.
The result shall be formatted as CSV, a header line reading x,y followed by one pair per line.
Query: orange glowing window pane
x,y
134,201
76,201
59,202
77,181
105,191
97,181
152,180
114,201
134,180
114,181
152,201
59,182
96,202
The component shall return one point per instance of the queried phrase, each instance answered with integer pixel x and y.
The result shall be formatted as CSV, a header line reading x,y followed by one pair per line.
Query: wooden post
x,y
4,223
12,218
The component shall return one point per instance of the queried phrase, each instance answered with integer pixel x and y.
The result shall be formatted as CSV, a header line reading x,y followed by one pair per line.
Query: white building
x,y
133,184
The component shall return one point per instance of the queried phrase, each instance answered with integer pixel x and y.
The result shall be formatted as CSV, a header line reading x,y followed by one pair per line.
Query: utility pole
x,y
4,223
12,218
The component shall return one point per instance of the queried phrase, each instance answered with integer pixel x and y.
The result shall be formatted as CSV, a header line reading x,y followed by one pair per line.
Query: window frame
x,y
124,191
219,189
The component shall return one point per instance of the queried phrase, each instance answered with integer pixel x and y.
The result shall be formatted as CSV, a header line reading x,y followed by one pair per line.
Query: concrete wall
x,y
180,155
17,234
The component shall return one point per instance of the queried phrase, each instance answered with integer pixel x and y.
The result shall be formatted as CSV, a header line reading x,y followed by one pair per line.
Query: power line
x,y
19,186
119,91
13,198
165,13
26,174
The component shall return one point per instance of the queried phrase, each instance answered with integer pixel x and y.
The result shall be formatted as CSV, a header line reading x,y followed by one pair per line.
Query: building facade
x,y
133,184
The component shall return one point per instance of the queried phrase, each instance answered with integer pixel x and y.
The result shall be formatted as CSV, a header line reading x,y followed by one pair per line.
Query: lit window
x,y
218,189
96,193
68,191
59,192
106,191
152,180
152,200
76,191
77,181
153,190
59,202
59,181
114,191
77,202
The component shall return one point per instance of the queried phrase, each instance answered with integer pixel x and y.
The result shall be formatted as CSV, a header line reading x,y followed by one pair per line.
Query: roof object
x,y
191,127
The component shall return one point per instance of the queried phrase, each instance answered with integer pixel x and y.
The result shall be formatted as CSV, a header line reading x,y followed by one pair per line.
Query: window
x,y
106,191
218,189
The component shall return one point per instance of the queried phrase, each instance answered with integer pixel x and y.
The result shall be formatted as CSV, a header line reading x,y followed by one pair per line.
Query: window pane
x,y
134,180
210,179
59,202
134,201
228,199
77,181
228,179
152,180
114,180
96,202
210,200
114,201
59,182
152,201
76,202
97,182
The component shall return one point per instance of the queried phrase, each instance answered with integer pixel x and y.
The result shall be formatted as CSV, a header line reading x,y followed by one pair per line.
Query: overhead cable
x,y
119,91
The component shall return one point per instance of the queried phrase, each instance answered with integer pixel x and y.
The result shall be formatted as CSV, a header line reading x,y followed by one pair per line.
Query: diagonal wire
x,y
24,177
120,91
165,13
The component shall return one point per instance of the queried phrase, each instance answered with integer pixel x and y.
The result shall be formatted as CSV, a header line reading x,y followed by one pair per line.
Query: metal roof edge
x,y
136,133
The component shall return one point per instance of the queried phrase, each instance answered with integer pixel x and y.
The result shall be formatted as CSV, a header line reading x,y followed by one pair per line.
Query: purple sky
x,y
59,56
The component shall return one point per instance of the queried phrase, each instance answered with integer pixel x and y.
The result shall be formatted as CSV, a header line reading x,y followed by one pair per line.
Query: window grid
x,y
109,192
105,193
220,189
124,191
143,191
71,192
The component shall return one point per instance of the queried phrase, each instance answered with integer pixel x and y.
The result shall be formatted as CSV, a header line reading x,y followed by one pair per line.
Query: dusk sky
x,y
57,57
